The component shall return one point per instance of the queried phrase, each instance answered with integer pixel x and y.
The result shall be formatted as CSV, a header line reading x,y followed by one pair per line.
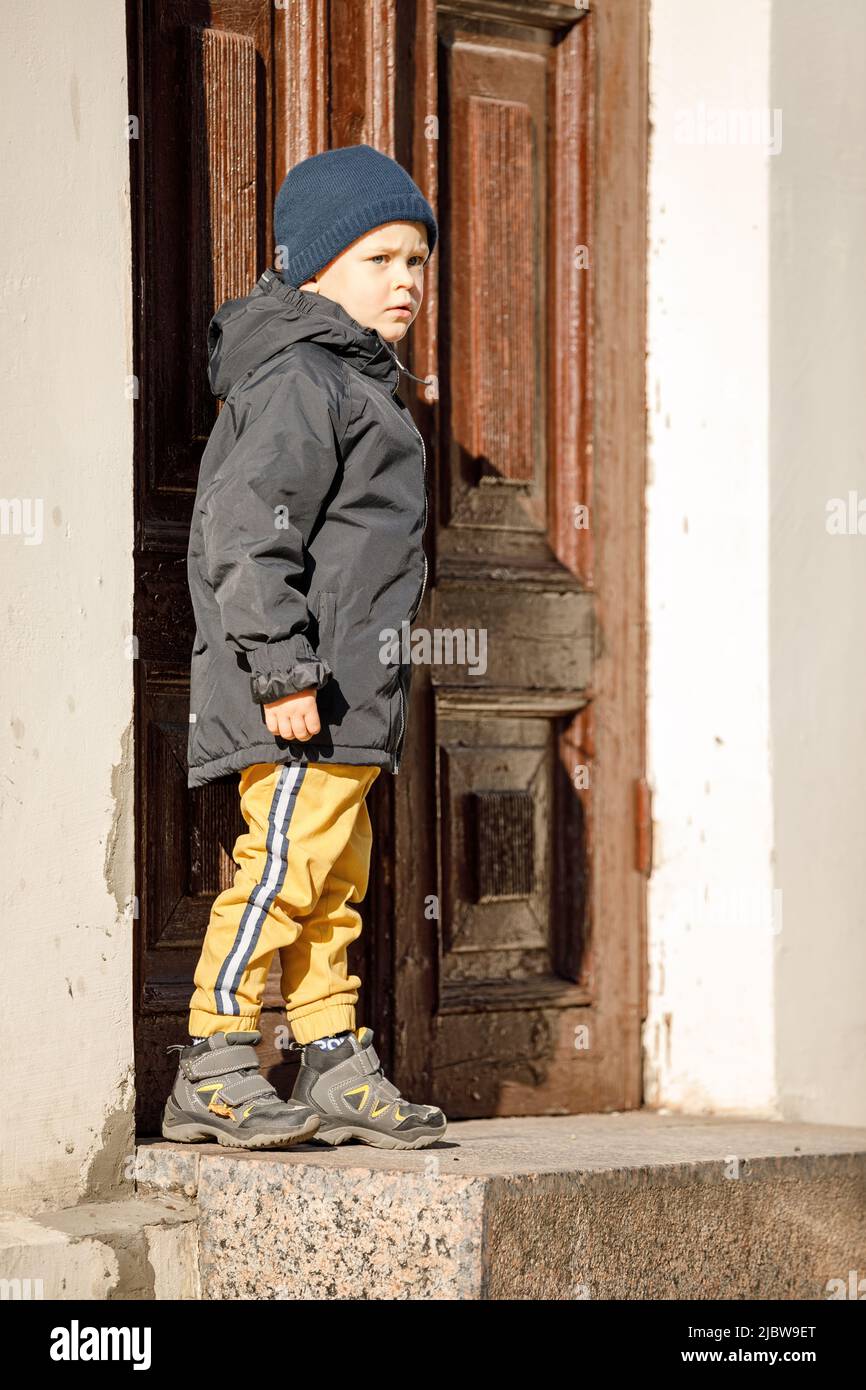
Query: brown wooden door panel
x,y
533,1007
207,74
502,953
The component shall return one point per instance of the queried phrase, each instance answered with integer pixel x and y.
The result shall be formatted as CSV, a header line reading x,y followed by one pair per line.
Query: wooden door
x,y
503,948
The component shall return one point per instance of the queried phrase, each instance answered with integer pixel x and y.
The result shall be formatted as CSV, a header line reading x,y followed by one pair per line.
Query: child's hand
x,y
295,716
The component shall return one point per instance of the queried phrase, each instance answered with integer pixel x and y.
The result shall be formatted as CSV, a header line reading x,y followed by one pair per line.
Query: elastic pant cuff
x,y
319,1023
202,1024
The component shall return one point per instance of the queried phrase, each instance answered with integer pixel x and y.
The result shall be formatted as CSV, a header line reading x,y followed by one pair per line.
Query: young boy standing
x,y
305,558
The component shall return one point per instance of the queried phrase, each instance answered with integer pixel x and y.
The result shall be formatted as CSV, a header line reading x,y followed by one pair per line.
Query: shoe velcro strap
x,y
238,1057
366,1062
243,1088
388,1090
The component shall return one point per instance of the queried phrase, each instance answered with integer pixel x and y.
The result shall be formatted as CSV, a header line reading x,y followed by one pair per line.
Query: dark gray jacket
x,y
305,551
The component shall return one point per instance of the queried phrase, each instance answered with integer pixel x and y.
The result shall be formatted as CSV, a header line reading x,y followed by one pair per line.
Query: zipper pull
x,y
425,381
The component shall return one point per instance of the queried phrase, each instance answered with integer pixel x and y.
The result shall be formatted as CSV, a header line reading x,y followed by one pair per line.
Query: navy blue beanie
x,y
329,200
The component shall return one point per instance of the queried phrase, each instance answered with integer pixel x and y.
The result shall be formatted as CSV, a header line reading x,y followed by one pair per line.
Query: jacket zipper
x,y
397,750
424,523
423,582
415,429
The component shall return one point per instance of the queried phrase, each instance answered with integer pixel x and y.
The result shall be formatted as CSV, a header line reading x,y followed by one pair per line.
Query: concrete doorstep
x,y
139,1247
635,1205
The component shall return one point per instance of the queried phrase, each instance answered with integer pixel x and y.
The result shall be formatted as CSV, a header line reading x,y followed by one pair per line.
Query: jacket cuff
x,y
283,668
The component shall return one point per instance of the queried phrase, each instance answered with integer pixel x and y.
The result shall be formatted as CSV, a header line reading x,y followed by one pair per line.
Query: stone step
x,y
636,1205
138,1247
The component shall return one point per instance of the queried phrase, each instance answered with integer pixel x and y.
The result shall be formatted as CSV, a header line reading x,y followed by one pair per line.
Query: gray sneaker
x,y
220,1094
356,1101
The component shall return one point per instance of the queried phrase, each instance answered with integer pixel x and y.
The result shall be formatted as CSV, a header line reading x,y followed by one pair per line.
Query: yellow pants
x,y
303,863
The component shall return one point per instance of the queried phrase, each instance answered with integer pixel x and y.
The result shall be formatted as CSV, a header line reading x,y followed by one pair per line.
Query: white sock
x,y
331,1041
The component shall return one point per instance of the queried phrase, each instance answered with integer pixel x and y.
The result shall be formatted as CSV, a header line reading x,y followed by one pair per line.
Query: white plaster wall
x,y
709,1039
757,659
818,579
66,679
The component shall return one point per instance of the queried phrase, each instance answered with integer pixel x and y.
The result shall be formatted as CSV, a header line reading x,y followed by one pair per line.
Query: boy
x,y
305,553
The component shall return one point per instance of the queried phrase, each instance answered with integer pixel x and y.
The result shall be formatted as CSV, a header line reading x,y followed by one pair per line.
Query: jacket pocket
x,y
326,615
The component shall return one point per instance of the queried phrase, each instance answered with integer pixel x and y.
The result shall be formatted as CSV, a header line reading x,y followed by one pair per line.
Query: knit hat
x,y
329,200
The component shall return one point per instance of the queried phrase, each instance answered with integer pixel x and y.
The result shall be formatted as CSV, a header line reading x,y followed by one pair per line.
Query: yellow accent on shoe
x,y
374,1113
354,1091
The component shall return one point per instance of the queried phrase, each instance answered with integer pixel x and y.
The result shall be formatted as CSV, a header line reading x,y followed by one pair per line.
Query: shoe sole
x,y
339,1134
197,1133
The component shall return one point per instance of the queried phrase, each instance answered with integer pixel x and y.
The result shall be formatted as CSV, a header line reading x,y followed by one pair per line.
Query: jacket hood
x,y
245,332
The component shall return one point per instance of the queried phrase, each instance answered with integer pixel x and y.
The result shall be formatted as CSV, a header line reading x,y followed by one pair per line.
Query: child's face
x,y
381,269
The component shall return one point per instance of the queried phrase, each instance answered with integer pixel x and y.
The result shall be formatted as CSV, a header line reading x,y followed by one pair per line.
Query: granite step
x,y
634,1205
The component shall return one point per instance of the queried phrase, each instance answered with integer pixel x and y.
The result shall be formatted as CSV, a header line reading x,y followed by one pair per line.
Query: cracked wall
x,y
66,572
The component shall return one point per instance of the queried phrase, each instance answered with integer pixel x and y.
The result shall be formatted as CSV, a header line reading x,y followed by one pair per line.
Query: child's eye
x,y
380,256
